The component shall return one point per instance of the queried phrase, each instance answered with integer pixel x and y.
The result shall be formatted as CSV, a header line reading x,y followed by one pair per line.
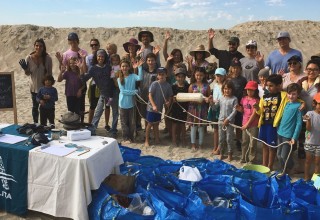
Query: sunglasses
x,y
292,63
232,44
94,45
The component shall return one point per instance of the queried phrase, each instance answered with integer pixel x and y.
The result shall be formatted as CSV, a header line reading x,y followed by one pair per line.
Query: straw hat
x,y
200,48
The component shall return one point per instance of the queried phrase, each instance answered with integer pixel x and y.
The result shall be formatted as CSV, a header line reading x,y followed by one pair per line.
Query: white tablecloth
x,y
61,186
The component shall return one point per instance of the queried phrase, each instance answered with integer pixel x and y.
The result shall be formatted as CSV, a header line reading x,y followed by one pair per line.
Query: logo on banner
x,y
5,178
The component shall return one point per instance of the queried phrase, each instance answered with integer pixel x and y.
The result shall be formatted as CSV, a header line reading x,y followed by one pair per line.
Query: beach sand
x,y
17,41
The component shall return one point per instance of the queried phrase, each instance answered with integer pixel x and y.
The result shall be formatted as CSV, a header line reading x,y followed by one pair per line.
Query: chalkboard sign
x,y
7,93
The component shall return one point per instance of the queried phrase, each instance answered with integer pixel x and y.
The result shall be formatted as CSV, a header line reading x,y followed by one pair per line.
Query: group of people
x,y
276,101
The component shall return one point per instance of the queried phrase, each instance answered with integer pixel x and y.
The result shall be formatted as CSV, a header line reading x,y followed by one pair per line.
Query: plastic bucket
x,y
258,168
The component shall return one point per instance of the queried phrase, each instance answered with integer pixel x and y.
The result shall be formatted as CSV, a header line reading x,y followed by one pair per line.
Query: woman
x,y
37,65
174,60
197,59
253,63
93,92
132,47
310,83
294,74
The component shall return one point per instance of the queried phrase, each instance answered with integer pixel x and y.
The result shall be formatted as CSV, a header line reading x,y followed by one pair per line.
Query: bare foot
x,y
146,144
221,157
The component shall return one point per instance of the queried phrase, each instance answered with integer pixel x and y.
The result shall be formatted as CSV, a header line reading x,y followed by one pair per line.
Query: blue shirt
x,y
128,89
291,121
49,103
276,61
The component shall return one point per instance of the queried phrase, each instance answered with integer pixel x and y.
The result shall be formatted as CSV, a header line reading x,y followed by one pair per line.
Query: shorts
x,y
268,134
312,149
153,117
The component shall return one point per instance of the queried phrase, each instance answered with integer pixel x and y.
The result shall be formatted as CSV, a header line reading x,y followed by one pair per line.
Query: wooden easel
x,y
8,94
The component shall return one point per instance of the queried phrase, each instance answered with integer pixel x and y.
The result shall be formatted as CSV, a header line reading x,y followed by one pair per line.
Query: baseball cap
x,y
317,97
295,58
235,62
251,43
73,36
253,85
283,34
234,40
220,71
180,71
161,70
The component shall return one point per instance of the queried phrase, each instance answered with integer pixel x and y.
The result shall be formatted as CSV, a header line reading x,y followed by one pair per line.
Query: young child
x,y
47,96
249,121
227,103
270,110
160,93
101,73
290,126
127,85
198,110
262,86
115,67
111,49
149,76
73,86
312,144
239,83
178,127
220,77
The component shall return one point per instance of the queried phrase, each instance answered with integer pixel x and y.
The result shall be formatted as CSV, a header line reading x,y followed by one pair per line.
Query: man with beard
x,y
225,56
146,37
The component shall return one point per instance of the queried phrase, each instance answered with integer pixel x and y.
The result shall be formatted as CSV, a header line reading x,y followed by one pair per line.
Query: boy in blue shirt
x,y
290,126
46,97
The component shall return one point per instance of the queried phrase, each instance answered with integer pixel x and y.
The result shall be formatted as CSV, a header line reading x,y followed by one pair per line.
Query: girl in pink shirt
x,y
249,121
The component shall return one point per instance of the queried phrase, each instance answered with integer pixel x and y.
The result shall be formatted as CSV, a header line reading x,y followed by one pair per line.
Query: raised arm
x,y
165,45
211,35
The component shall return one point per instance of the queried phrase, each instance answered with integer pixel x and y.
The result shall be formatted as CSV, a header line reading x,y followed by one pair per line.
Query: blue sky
x,y
180,14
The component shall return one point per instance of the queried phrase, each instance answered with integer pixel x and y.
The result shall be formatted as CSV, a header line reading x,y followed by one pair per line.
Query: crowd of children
x,y
234,104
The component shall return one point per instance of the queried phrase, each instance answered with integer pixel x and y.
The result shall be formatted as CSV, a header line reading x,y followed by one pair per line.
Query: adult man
x,y
225,56
252,63
278,59
146,37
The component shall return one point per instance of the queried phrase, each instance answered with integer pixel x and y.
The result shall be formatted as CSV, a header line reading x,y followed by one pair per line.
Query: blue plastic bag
x,y
129,154
308,196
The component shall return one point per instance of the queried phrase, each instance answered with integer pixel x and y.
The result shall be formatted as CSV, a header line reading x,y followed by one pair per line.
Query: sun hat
x,y
253,85
283,34
180,71
200,48
132,41
251,43
264,72
145,32
73,36
235,62
317,97
220,71
234,40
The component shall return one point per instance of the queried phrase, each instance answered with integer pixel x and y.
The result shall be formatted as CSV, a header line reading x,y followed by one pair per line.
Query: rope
x,y
206,122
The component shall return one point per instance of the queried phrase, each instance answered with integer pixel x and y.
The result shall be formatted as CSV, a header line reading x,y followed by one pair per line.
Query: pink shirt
x,y
247,104
69,53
